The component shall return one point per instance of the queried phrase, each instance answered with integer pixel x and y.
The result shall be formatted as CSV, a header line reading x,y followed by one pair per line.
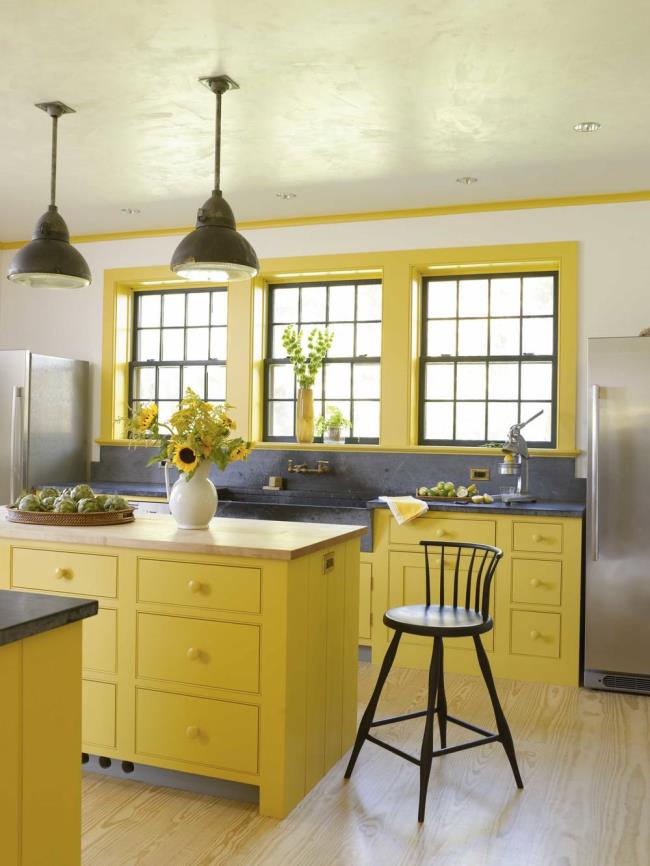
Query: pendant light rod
x,y
218,84
55,110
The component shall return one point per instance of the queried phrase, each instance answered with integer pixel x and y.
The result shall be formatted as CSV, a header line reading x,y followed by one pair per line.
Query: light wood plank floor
x,y
584,757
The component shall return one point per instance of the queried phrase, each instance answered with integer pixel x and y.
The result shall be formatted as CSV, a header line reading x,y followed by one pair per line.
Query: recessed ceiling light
x,y
130,210
467,179
285,195
587,126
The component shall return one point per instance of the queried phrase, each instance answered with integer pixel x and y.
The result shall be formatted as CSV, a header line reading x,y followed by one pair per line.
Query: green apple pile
x,y
448,490
76,500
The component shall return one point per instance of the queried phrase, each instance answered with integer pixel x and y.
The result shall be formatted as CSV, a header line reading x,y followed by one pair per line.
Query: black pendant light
x,y
215,251
49,260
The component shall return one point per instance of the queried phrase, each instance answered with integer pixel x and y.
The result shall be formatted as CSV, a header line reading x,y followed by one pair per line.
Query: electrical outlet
x,y
328,563
479,474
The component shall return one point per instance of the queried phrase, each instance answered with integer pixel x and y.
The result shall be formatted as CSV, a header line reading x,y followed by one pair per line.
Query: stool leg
x,y
442,699
502,724
371,709
426,753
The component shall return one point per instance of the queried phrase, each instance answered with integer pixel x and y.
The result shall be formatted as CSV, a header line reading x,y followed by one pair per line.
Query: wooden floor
x,y
584,758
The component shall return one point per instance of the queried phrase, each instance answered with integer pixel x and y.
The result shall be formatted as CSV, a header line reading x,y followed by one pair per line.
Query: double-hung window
x,y
350,378
488,358
179,342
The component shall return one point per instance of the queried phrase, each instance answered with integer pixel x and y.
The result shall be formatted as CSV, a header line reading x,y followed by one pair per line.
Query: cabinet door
x,y
365,600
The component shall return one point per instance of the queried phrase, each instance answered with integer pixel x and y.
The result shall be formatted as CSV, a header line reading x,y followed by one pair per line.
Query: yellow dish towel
x,y
405,508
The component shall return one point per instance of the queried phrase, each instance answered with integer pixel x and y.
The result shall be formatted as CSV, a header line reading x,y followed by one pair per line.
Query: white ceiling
x,y
351,104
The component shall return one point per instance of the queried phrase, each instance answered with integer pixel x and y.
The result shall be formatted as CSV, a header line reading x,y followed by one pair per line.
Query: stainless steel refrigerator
x,y
44,418
617,579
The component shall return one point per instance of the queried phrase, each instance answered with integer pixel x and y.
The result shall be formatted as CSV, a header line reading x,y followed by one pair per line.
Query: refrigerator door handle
x,y
595,432
16,481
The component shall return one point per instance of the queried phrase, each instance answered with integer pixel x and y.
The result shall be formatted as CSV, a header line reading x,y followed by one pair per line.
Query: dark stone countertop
x,y
541,508
24,614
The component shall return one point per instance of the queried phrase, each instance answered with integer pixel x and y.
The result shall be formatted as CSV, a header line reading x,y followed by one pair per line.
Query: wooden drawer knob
x,y
534,634
439,533
193,653
537,537
535,582
63,573
193,585
192,732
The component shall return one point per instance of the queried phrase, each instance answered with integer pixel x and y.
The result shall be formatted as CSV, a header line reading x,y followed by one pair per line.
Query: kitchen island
x,y
229,652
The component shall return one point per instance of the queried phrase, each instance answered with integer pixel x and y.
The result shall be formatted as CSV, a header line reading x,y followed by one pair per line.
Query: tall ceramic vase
x,y
305,416
192,501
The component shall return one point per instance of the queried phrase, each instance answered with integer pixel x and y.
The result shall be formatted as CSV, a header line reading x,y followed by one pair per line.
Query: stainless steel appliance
x,y
515,466
44,418
617,589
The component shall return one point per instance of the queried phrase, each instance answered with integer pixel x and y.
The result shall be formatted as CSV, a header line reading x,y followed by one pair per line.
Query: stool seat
x,y
433,620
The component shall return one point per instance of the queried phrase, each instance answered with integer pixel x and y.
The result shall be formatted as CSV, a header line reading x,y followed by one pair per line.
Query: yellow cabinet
x,y
61,571
365,601
433,528
537,537
98,701
536,581
533,633
100,642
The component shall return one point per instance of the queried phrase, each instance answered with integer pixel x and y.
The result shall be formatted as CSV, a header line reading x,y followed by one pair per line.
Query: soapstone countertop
x,y
541,508
25,614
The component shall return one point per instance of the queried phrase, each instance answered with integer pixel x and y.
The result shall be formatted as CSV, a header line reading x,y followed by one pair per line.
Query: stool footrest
x,y
399,718
470,727
493,738
392,749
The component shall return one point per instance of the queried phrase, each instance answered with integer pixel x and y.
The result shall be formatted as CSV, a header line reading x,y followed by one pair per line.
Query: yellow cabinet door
x,y
100,642
64,572
537,537
365,600
536,581
430,528
200,584
533,633
10,757
98,706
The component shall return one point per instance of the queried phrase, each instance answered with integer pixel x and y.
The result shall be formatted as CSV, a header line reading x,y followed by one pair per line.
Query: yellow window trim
x,y
401,272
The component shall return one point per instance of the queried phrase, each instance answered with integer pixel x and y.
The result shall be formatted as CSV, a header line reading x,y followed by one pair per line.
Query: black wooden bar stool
x,y
468,615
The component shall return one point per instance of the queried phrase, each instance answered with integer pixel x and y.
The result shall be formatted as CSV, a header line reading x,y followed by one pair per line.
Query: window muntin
x,y
179,341
350,378
489,358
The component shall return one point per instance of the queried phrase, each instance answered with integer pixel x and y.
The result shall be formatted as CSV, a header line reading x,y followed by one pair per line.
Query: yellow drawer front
x,y
98,714
63,572
100,642
198,584
537,537
535,634
199,652
365,598
536,581
443,529
197,730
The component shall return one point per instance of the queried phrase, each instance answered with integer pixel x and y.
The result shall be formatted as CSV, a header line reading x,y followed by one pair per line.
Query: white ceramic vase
x,y
192,502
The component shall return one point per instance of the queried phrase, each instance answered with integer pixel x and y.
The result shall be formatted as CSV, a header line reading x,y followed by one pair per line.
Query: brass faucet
x,y
322,467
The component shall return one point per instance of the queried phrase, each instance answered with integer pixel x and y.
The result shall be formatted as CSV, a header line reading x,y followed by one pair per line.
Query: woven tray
x,y
53,518
444,498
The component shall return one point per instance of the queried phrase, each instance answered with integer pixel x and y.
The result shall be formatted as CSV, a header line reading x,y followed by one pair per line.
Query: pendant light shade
x,y
215,251
49,260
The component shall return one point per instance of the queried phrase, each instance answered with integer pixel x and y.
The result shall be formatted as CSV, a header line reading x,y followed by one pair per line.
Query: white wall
x,y
614,279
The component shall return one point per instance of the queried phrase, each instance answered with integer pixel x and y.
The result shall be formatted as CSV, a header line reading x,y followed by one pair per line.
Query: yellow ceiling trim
x,y
364,216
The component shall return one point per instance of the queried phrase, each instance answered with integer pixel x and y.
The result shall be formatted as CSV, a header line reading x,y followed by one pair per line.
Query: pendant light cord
x,y
217,145
55,121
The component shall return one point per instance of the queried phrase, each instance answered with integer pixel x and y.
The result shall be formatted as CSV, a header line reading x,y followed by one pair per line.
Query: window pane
x,y
473,298
149,312
194,378
278,349
281,418
470,382
337,381
282,381
172,344
366,381
144,383
366,419
318,385
538,430
470,421
198,308
173,310
314,304
505,297
369,340
536,381
341,302
219,308
439,384
503,382
472,337
501,417
343,345
538,296
218,344
197,344
441,338
148,345
537,336
166,409
369,302
441,301
169,383
439,421
504,336
285,305
217,383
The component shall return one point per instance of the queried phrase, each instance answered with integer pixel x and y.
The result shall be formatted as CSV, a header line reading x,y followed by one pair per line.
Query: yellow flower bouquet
x,y
197,432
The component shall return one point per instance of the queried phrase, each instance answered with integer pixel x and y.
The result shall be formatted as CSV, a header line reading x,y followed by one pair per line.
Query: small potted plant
x,y
306,368
330,425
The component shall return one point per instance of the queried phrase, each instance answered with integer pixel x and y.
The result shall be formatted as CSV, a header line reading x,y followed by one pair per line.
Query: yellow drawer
x,y
536,581
199,652
100,641
98,714
199,584
535,634
537,537
442,529
63,572
365,599
197,730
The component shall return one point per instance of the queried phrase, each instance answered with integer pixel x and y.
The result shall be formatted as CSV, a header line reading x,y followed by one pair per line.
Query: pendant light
x,y
215,251
49,260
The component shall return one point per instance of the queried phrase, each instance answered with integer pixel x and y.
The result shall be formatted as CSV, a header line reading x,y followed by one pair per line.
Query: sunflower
x,y
146,417
240,452
185,458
